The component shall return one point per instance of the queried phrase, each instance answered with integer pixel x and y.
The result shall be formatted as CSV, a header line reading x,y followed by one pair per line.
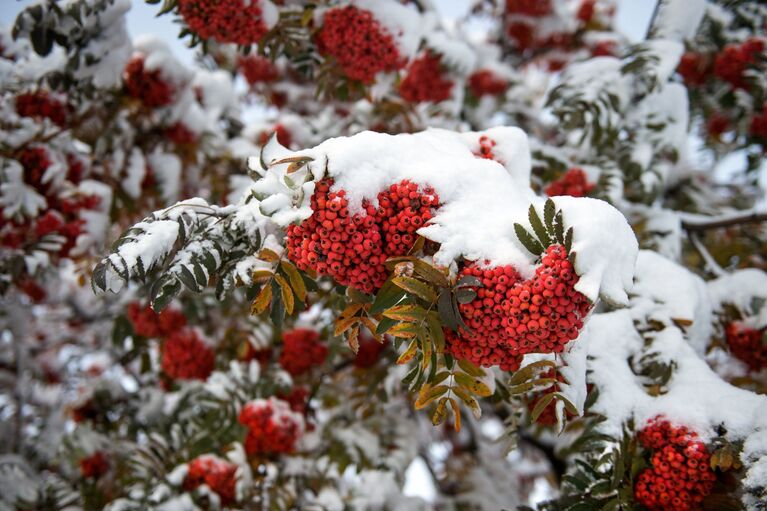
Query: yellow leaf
x,y
404,330
351,310
435,328
470,369
287,294
371,326
296,282
409,353
440,414
344,324
473,385
469,401
410,312
456,413
353,339
262,300
268,255
429,394
416,287
525,373
262,275
426,343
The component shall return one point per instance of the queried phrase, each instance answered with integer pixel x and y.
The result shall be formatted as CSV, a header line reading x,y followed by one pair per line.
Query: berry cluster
x,y
283,136
353,248
694,68
758,126
732,62
147,323
369,351
180,134
574,183
301,351
426,81
273,428
486,145
296,398
680,476
533,8
217,474
748,344
486,83
257,69
41,105
94,466
717,124
185,356
360,45
227,21
548,416
150,87
511,317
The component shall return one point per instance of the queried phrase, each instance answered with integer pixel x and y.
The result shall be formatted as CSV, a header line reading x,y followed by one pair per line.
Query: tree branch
x,y
702,223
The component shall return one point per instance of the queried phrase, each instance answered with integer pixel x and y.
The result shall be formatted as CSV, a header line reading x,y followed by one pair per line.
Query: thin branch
x,y
652,19
712,265
702,223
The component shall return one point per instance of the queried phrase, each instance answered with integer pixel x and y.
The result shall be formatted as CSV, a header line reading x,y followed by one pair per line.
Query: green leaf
x,y
540,406
390,294
435,329
473,385
416,287
559,226
538,228
409,312
167,292
525,373
465,295
528,241
187,278
569,240
470,369
549,210
446,311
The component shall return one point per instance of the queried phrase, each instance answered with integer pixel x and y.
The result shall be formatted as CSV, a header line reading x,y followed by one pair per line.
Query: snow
x,y
404,24
678,19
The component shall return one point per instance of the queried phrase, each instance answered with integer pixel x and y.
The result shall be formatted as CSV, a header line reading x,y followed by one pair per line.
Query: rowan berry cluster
x,y
680,476
94,466
486,145
180,134
353,248
257,69
358,42
758,126
369,351
694,68
296,398
40,105
747,344
425,81
731,63
217,474
185,356
147,323
302,350
511,317
227,21
533,8
150,87
548,417
574,183
273,428
486,83
717,124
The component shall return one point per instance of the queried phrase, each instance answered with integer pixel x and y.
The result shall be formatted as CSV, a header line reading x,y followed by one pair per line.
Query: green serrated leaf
x,y
528,241
538,227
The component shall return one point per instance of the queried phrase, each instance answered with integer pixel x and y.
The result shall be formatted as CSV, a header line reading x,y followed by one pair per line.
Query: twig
x,y
694,223
652,19
712,265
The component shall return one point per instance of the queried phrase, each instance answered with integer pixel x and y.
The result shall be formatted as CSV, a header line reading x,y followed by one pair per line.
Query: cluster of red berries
x,y
369,351
732,62
680,476
302,350
147,323
41,105
425,81
758,126
574,183
486,83
360,45
227,21
217,474
273,428
353,248
185,356
533,8
296,398
747,344
586,11
716,124
548,416
150,87
94,466
283,136
511,317
257,69
694,68
180,134
486,145
524,36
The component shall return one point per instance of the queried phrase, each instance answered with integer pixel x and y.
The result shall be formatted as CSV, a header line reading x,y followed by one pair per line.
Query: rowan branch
x,y
703,223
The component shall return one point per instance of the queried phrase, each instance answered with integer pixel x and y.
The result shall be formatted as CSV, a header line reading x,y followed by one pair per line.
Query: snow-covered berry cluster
x,y
358,42
486,83
186,356
257,69
486,145
747,344
574,183
148,86
511,317
95,465
680,476
353,248
227,21
147,323
302,350
426,80
217,474
41,105
273,428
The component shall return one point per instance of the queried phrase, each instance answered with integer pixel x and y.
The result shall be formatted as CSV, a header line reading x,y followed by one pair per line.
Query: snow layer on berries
x,y
455,53
404,24
481,199
158,57
696,396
